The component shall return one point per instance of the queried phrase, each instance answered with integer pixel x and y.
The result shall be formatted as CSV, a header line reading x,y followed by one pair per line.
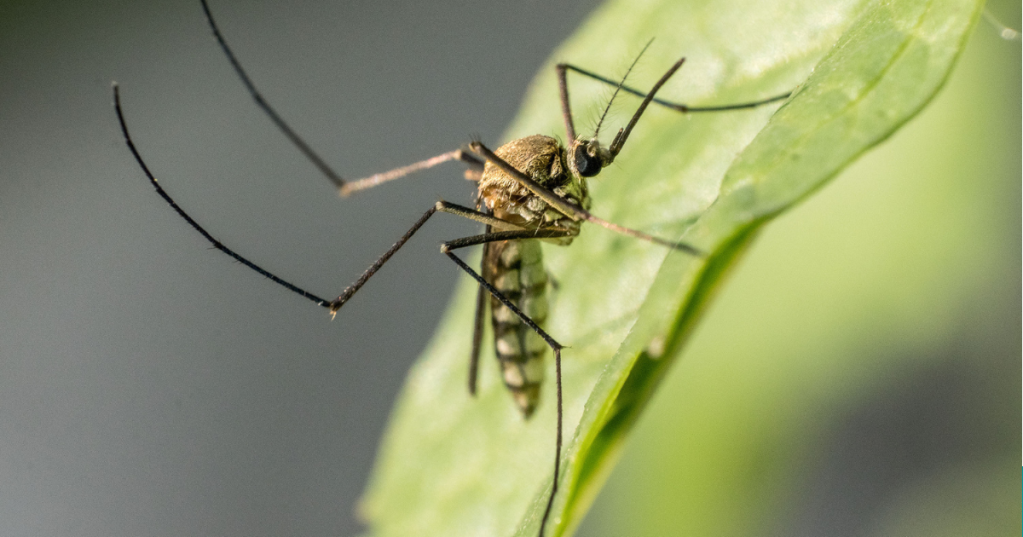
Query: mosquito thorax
x,y
545,161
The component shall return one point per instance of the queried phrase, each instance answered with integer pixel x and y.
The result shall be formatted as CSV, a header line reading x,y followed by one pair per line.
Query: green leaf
x,y
456,465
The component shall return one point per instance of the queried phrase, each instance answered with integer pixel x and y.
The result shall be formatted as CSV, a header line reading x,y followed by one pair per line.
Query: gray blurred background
x,y
152,386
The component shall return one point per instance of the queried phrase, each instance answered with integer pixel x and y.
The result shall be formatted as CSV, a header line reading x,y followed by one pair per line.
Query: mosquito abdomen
x,y
516,270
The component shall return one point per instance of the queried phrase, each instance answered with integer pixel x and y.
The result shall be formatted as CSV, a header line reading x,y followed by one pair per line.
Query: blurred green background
x,y
858,374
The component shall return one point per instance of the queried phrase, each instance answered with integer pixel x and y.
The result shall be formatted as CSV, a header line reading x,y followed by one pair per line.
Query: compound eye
x,y
586,164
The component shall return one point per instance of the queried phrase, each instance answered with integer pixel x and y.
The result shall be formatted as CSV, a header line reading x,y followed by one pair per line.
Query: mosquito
x,y
529,190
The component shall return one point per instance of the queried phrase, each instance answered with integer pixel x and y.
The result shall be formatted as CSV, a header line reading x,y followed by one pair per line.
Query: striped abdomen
x,y
516,269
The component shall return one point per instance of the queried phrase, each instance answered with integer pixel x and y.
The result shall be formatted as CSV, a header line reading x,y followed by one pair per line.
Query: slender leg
x,y
566,108
479,216
441,206
477,336
332,305
562,68
181,212
522,234
355,185
295,139
447,248
481,303
344,186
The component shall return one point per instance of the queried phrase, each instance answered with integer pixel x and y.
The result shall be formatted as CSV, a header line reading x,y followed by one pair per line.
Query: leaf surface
x,y
451,464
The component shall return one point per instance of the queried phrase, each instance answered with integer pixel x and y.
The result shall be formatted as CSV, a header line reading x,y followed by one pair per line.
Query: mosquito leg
x,y
441,206
334,305
574,211
478,216
565,67
481,296
481,292
477,336
345,186
447,248
356,185
566,108
181,212
354,287
295,139
522,234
